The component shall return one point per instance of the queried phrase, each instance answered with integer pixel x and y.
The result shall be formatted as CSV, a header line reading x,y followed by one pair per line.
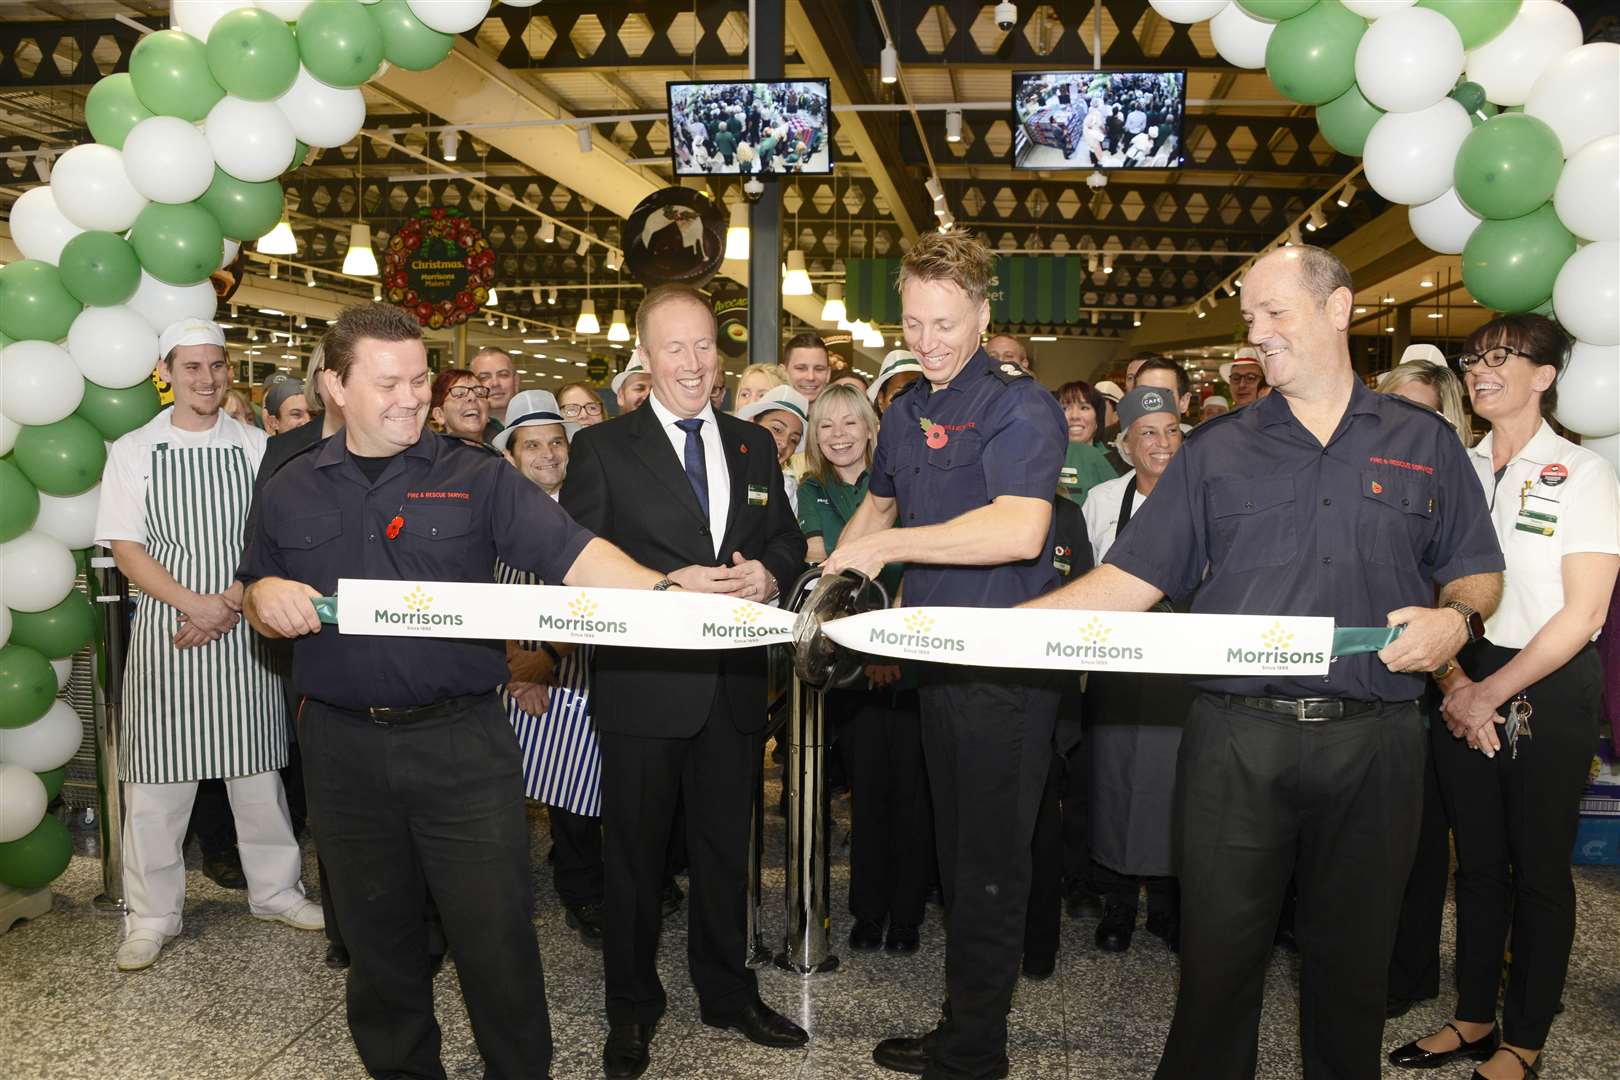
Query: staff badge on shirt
x,y
1554,474
758,495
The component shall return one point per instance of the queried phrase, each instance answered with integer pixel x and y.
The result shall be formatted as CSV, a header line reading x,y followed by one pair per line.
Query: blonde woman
x,y
1423,378
755,382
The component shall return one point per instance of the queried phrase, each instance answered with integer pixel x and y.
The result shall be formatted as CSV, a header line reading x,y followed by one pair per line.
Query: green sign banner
x,y
1026,289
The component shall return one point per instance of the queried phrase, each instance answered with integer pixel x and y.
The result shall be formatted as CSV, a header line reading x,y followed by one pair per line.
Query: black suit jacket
x,y
626,485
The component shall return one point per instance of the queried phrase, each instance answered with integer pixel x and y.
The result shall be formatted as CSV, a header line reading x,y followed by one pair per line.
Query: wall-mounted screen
x,y
750,128
1098,119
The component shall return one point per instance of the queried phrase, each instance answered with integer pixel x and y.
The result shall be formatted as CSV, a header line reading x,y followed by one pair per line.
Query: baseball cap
x,y
634,367
277,389
784,398
532,408
190,331
894,363
1245,355
1144,401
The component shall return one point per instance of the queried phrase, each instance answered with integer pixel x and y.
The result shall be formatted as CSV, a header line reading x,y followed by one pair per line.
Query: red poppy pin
x,y
1377,488
394,526
934,434
742,448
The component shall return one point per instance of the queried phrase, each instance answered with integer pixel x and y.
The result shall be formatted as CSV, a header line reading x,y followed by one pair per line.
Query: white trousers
x,y
155,819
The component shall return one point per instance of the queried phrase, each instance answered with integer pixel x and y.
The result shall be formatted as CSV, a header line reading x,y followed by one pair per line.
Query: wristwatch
x,y
1440,673
666,584
1471,618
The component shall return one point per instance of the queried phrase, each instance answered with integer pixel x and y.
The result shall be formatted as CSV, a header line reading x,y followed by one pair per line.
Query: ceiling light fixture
x,y
1426,281
492,300
1346,193
1136,318
1108,264
586,323
611,260
309,277
618,329
1316,220
376,293
275,271
360,261
584,244
1091,263
450,140
1043,337
584,139
551,298
795,278
278,241
936,190
737,231
889,64
833,309
548,232
953,125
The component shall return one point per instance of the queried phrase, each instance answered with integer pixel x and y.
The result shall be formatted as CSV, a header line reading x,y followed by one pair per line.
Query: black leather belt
x,y
1307,708
392,716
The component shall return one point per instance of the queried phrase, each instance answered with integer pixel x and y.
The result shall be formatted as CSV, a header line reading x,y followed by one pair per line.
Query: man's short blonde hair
x,y
960,258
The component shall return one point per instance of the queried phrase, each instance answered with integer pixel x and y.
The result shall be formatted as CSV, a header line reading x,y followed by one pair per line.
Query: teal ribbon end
x,y
1354,640
326,609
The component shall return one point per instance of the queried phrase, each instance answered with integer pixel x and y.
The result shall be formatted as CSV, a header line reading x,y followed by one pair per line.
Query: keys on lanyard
x,y
1517,724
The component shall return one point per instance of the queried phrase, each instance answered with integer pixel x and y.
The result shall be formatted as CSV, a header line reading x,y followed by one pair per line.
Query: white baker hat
x,y
190,331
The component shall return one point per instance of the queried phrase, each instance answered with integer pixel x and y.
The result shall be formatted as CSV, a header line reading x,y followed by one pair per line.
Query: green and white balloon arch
x,y
1489,118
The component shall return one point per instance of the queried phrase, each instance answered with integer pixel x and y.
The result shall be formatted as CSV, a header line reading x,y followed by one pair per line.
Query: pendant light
x,y
737,231
796,279
278,241
833,310
618,329
586,323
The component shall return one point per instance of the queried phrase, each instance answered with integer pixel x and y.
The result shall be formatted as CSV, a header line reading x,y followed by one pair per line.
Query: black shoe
x,y
1413,1056
1115,930
760,1024
1400,1006
586,919
1082,903
625,1052
909,1054
1039,968
902,939
672,897
1529,1072
1165,927
337,957
866,935
226,872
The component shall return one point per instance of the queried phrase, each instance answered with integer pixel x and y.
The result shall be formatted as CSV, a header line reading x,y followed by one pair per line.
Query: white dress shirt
x,y
121,510
714,459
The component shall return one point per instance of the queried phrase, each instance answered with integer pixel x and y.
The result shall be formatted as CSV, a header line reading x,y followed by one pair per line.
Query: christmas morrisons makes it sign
x,y
439,267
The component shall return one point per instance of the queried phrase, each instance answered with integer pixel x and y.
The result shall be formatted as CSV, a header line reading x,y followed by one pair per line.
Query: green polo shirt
x,y
1084,467
824,510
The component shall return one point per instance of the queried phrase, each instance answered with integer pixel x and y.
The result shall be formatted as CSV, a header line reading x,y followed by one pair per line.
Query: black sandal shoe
x,y
1413,1056
1530,1072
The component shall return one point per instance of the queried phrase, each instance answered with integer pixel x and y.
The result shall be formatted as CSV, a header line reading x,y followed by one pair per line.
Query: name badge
x,y
758,495
1068,475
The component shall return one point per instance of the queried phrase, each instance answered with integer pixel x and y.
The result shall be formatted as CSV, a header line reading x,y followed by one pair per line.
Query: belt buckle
x,y
1302,705
380,715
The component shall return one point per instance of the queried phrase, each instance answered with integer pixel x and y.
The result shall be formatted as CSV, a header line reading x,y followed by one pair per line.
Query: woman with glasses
x,y
1423,378
459,406
580,404
1522,704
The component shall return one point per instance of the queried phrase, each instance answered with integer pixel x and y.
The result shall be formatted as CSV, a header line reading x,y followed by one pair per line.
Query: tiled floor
x,y
235,997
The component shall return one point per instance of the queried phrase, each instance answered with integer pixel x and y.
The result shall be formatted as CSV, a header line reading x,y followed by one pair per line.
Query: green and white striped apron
x,y
215,710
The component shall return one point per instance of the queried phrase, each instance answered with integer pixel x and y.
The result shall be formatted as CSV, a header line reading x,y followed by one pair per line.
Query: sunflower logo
x,y
1094,632
745,615
1276,637
417,601
582,606
918,623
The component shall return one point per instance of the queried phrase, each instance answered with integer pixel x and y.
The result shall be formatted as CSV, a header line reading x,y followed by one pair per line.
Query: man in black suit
x,y
698,496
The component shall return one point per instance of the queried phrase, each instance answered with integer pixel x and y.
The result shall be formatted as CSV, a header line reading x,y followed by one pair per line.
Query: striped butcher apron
x,y
562,764
215,710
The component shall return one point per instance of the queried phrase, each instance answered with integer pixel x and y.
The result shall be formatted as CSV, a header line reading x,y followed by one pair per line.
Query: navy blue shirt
x,y
459,506
993,431
1374,521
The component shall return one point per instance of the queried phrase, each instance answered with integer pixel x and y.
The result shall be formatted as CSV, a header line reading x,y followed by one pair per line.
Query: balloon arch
x,y
1491,121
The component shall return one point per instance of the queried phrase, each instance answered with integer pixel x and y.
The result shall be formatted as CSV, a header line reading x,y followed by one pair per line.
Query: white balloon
x,y
113,346
1509,64
36,572
228,252
504,3
197,17
321,115
1586,296
48,743
1177,11
5,625
8,433
22,802
1587,198
1409,60
70,519
457,16
285,10
1443,224
1239,37
1589,390
39,383
92,189
168,159
64,672
251,140
1579,95
38,228
1607,448
162,305
1377,9
1409,156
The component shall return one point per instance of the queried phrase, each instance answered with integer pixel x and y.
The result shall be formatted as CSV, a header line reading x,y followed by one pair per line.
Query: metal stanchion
x,y
759,953
111,591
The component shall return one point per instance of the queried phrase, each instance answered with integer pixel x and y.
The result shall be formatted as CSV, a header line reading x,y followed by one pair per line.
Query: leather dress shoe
x,y
586,920
1413,1056
866,935
625,1052
1082,903
901,939
760,1024
672,897
1166,927
1039,968
909,1054
1115,930
225,871
337,957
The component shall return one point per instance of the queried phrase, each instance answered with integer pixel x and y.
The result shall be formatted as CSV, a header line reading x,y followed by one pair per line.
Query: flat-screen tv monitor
x,y
1098,119
764,128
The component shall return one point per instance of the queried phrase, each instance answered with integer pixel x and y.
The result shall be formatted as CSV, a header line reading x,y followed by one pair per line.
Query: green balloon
x,y
408,42
339,43
300,152
1483,114
244,210
115,412
53,782
1311,58
34,303
19,501
1276,10
178,243
170,69
1508,166
64,458
1470,95
252,54
57,631
112,108
1347,120
1511,265
81,559
1476,20
99,268
38,858
27,684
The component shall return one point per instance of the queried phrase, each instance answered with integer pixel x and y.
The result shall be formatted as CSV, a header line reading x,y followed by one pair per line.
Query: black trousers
x,y
576,870
713,773
1043,921
892,839
1515,822
1414,965
1125,890
987,738
1336,805
434,806
1076,804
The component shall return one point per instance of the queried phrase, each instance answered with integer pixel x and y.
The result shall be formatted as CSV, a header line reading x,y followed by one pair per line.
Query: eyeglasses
x,y
590,408
1490,358
456,392
1244,377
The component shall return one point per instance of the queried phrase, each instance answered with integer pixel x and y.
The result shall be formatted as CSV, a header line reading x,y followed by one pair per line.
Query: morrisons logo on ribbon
x,y
917,639
1094,645
581,618
417,611
1276,650
744,626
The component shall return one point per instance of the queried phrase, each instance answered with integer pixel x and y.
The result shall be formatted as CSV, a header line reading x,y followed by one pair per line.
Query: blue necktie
x,y
697,469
